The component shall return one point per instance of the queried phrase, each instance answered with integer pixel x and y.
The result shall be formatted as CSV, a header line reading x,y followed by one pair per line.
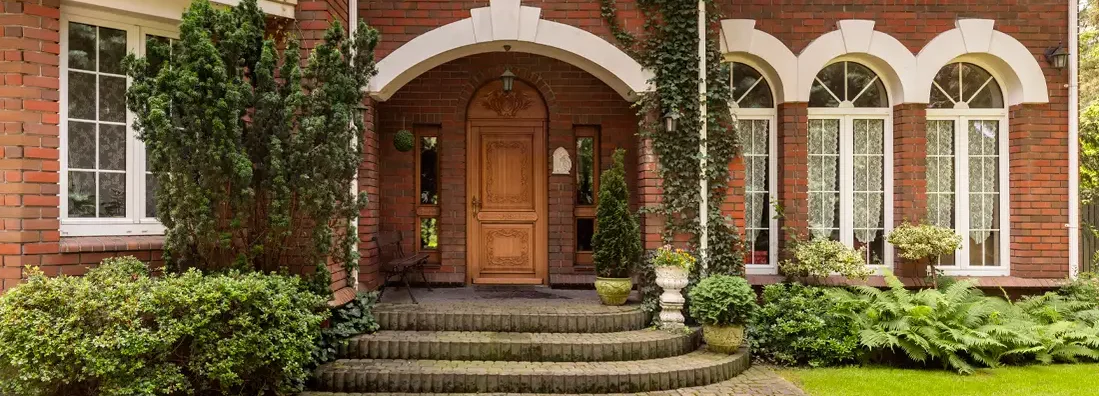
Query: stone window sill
x,y
111,243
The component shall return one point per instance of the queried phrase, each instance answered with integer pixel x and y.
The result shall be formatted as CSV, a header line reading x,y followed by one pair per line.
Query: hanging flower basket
x,y
404,141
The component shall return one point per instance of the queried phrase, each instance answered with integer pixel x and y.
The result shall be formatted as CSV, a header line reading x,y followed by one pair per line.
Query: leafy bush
x,y
667,256
1084,288
822,257
723,300
799,325
260,177
404,141
118,331
924,241
959,327
354,318
616,243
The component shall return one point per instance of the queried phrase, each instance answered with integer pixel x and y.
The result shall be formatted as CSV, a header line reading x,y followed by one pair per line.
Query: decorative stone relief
x,y
507,104
562,165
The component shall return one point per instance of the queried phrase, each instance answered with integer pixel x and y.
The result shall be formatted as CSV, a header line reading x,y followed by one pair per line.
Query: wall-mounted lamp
x,y
671,120
1057,56
508,78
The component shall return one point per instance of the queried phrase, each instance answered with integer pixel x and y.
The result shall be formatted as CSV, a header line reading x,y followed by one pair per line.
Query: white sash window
x,y
753,107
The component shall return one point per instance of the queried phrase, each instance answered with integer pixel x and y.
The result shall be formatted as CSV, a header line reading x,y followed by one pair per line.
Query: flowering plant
x,y
667,256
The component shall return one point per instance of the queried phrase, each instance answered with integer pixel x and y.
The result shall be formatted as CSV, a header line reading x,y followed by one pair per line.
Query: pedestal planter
x,y
724,339
671,280
613,291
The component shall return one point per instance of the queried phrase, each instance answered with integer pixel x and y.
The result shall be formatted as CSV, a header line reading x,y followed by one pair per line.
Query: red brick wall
x,y
29,141
441,96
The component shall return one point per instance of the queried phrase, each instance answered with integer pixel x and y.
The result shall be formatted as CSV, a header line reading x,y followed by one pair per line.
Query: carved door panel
x,y
507,196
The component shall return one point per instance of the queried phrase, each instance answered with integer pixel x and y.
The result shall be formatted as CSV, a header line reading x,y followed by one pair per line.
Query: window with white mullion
x,y
103,170
753,107
868,187
824,178
967,167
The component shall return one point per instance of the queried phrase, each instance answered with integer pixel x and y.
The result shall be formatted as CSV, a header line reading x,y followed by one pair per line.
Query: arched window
x,y
753,106
850,159
967,167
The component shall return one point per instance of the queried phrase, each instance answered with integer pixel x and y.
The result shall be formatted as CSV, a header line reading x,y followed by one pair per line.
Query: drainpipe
x,y
352,25
703,183
1073,140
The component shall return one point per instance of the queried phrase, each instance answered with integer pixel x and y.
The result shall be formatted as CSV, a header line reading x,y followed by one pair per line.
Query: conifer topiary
x,y
617,239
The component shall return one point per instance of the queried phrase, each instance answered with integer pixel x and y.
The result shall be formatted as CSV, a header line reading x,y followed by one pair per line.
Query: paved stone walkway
x,y
756,381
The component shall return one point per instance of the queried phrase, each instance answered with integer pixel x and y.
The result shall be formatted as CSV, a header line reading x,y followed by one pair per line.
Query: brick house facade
x,y
437,58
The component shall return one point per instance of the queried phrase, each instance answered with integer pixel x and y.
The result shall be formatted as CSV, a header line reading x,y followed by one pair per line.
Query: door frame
x,y
541,195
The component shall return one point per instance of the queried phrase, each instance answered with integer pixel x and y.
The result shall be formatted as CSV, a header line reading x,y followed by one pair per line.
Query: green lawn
x,y
1055,380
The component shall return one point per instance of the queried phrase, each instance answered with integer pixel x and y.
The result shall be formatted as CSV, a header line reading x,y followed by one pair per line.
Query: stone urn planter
x,y
613,291
672,280
724,339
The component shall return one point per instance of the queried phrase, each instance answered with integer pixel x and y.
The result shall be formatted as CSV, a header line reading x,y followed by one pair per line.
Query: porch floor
x,y
510,295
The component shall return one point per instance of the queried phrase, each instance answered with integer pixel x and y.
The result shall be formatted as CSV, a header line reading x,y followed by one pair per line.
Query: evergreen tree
x,y
617,239
253,156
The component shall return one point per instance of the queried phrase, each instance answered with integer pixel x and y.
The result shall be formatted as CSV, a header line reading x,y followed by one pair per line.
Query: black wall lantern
x,y
508,78
671,120
1057,56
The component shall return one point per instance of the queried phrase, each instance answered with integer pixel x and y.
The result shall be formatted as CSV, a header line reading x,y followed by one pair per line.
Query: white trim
x,y
742,42
961,118
134,223
1073,141
1016,68
505,22
855,40
769,115
173,9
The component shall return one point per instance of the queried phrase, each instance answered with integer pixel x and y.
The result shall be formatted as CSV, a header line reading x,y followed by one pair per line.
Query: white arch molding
x,y
974,40
907,77
506,22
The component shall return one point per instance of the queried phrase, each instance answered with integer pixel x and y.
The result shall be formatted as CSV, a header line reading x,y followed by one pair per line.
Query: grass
x,y
1054,380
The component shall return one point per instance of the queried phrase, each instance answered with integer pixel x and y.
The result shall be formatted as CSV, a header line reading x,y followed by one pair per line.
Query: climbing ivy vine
x,y
669,48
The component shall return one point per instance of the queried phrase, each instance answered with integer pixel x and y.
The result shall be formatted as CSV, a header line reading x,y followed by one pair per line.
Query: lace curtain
x,y
869,190
940,172
983,171
823,173
754,135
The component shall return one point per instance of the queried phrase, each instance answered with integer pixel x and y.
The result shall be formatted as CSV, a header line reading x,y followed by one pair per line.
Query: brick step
x,y
532,347
451,376
515,316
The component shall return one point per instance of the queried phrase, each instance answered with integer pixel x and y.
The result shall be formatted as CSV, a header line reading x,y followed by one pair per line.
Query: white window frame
x,y
134,223
961,119
769,115
846,117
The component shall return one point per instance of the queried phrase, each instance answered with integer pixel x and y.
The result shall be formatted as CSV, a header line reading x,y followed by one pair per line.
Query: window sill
x,y
111,243
879,281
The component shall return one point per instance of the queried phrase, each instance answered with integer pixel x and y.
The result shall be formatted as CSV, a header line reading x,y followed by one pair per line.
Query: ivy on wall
x,y
669,48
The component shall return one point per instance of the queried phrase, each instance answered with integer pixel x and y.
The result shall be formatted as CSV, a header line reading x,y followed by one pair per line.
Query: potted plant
x,y
924,244
672,267
723,304
616,243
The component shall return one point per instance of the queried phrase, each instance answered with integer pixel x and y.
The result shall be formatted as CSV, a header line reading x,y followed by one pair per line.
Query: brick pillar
x,y
369,260
29,48
1039,191
793,190
649,195
909,171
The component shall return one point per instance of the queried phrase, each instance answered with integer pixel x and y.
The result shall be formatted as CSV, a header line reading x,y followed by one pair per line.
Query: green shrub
x,y
1084,288
723,300
924,241
616,243
959,328
354,318
118,331
822,257
404,141
803,325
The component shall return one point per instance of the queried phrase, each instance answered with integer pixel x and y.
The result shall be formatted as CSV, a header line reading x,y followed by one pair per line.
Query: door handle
x,y
476,205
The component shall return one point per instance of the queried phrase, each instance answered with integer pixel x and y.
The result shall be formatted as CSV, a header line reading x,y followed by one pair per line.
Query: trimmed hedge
x,y
120,331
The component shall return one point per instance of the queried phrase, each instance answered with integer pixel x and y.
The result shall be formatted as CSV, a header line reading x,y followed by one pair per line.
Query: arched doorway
x,y
506,186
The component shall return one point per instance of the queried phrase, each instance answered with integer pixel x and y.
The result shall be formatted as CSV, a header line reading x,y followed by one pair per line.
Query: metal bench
x,y
398,264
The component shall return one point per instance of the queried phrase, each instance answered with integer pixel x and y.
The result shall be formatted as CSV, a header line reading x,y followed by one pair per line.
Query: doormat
x,y
511,292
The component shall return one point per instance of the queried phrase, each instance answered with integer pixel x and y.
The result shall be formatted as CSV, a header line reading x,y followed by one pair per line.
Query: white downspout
x,y
703,182
352,25
1073,140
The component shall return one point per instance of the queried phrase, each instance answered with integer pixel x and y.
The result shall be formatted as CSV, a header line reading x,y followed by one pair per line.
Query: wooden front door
x,y
507,187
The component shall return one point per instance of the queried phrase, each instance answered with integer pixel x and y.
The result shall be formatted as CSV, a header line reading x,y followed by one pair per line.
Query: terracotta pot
x,y
724,339
613,291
